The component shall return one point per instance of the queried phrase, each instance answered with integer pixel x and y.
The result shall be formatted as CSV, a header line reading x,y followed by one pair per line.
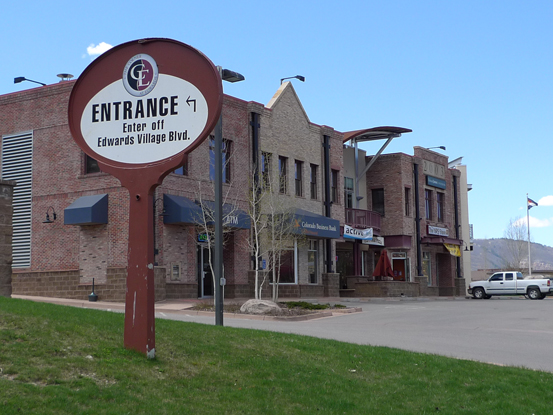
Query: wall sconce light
x,y
466,246
48,215
299,77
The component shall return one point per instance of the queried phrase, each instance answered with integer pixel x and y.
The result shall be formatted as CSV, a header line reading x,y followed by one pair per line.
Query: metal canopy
x,y
371,134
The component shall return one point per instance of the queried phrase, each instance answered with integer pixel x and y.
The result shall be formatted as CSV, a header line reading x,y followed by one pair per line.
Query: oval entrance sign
x,y
145,102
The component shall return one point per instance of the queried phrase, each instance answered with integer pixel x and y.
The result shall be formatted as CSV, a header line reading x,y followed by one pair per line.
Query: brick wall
x,y
6,213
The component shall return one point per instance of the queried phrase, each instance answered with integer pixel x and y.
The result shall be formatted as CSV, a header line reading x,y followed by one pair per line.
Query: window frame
x,y
282,174
313,181
298,177
428,203
226,148
378,206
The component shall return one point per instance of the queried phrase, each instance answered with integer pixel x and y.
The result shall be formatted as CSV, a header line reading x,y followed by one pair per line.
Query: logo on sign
x,y
140,75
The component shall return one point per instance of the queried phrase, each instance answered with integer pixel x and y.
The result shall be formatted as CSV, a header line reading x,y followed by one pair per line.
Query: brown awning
x,y
440,240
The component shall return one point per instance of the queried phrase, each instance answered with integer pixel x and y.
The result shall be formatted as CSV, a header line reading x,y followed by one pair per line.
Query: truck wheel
x,y
534,293
478,293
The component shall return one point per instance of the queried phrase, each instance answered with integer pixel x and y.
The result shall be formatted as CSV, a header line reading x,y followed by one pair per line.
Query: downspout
x,y
456,208
327,202
255,162
418,221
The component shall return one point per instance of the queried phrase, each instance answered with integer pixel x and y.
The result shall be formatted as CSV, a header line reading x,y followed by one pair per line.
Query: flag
x,y
531,203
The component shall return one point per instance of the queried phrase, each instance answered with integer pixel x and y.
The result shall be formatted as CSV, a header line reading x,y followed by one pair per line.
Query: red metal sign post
x,y
139,109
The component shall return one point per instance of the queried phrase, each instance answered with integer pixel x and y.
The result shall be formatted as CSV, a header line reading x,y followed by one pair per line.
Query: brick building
x,y
401,191
86,235
318,184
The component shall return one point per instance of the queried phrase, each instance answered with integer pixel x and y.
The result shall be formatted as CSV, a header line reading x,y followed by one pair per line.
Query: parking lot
x,y
504,331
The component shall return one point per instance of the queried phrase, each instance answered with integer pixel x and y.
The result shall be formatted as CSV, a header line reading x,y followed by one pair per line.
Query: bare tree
x,y
516,242
272,226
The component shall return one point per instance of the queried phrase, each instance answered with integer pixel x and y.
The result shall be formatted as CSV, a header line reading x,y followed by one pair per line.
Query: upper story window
x,y
182,170
428,203
282,173
313,181
334,187
407,201
299,177
265,169
348,192
225,150
441,212
378,200
90,165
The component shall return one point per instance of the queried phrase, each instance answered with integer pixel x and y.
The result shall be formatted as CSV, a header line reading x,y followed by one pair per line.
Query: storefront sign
x,y
435,182
435,230
376,240
453,249
353,233
433,169
202,238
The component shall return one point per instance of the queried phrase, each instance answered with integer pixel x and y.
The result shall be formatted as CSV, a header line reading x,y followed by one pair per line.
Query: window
x,y
299,178
407,201
509,276
427,267
282,174
348,192
313,260
225,150
313,181
265,169
497,277
440,199
182,170
90,165
334,186
287,273
378,200
428,203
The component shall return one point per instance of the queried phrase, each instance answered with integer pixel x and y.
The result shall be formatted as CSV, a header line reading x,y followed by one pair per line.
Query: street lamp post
x,y
229,76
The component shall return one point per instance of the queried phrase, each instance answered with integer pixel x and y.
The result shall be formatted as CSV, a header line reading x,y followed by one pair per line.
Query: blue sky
x,y
474,76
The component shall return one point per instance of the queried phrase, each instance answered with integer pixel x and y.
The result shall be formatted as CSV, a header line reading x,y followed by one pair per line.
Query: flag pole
x,y
528,226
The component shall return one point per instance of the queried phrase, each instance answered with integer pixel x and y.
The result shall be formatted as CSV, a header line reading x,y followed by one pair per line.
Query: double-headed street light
x,y
229,76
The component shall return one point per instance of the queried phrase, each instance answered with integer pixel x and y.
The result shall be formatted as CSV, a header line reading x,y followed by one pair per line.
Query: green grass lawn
x,y
64,360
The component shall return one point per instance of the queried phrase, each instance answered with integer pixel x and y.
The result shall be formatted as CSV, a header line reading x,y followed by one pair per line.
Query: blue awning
x,y
179,209
313,225
87,210
232,216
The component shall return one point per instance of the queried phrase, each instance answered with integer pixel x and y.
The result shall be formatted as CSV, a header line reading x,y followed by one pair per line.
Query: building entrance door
x,y
205,278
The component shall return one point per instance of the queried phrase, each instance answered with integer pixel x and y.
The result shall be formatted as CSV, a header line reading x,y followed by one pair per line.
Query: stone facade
x,y
6,212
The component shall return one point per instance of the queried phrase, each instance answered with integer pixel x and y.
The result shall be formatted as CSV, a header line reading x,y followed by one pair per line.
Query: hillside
x,y
495,253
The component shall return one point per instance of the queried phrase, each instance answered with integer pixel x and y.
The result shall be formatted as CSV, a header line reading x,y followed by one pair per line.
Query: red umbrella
x,y
383,266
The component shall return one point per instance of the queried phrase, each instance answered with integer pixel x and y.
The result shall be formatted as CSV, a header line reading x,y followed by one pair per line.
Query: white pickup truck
x,y
510,283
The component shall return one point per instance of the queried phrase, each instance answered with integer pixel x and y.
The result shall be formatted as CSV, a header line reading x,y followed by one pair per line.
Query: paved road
x,y
504,331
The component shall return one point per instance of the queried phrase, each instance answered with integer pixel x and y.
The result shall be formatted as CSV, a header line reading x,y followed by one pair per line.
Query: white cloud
x,y
98,49
534,222
546,201
540,223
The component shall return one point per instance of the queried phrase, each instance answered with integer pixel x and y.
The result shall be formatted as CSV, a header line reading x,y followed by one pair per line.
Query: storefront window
x,y
287,274
427,267
313,261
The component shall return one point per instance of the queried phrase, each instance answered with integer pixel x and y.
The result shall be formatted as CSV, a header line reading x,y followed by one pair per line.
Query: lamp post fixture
x,y
440,147
229,76
22,78
301,78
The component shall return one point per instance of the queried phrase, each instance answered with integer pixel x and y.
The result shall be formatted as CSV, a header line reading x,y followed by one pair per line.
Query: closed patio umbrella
x,y
383,266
